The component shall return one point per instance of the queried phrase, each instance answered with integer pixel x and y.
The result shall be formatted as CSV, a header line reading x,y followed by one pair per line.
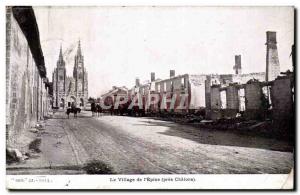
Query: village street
x,y
146,146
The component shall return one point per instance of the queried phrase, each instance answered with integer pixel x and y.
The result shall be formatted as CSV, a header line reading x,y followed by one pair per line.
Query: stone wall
x,y
216,104
232,101
282,99
253,97
188,89
232,97
197,91
25,90
215,97
173,87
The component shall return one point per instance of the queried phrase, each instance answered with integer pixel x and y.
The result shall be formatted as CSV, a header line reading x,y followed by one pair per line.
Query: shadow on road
x,y
219,137
71,117
63,115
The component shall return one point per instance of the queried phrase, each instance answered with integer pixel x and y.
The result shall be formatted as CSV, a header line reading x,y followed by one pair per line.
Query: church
x,y
72,90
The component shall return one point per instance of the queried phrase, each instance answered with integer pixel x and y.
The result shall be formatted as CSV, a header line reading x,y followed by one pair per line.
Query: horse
x,y
74,110
93,108
99,109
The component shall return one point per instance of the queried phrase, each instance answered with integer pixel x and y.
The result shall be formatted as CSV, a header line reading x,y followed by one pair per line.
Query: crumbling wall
x,y
216,106
253,97
197,91
174,87
207,93
244,78
215,97
242,102
281,94
232,100
282,101
225,79
180,88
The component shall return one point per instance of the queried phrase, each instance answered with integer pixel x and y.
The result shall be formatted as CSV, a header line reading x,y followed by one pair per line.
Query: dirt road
x,y
147,146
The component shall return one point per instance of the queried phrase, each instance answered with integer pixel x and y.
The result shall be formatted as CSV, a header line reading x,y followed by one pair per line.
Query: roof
x,y
25,17
115,90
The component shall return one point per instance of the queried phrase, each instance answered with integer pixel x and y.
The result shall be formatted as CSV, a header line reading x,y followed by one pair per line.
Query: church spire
x,y
79,49
79,63
60,61
60,54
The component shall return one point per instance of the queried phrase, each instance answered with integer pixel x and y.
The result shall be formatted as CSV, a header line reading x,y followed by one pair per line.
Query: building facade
x,y
73,90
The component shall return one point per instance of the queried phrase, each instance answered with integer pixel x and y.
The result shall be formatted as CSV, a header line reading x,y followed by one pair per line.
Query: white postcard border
x,y
186,181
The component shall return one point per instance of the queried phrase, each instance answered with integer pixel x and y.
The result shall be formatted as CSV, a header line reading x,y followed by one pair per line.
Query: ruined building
x,y
254,95
226,95
213,92
222,95
69,91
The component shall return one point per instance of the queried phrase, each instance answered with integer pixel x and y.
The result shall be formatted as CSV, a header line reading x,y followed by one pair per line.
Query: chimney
x,y
272,61
172,73
152,76
238,64
271,37
137,82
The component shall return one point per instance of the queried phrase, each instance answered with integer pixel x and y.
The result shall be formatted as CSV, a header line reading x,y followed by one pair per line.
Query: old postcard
x,y
150,97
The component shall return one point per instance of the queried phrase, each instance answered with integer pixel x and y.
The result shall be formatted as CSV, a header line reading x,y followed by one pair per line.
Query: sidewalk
x,y
59,150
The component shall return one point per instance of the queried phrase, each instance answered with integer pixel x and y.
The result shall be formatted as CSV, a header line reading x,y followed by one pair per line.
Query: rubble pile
x,y
239,124
179,117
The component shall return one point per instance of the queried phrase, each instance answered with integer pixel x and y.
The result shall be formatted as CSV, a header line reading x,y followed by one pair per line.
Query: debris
x,y
25,157
18,154
253,80
34,155
206,121
34,130
28,154
38,126
257,125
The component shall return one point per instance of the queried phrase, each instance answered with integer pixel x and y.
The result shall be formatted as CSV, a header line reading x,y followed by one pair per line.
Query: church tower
x,y
59,79
80,76
70,90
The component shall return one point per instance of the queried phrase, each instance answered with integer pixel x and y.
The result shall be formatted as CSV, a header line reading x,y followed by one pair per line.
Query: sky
x,y
122,43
